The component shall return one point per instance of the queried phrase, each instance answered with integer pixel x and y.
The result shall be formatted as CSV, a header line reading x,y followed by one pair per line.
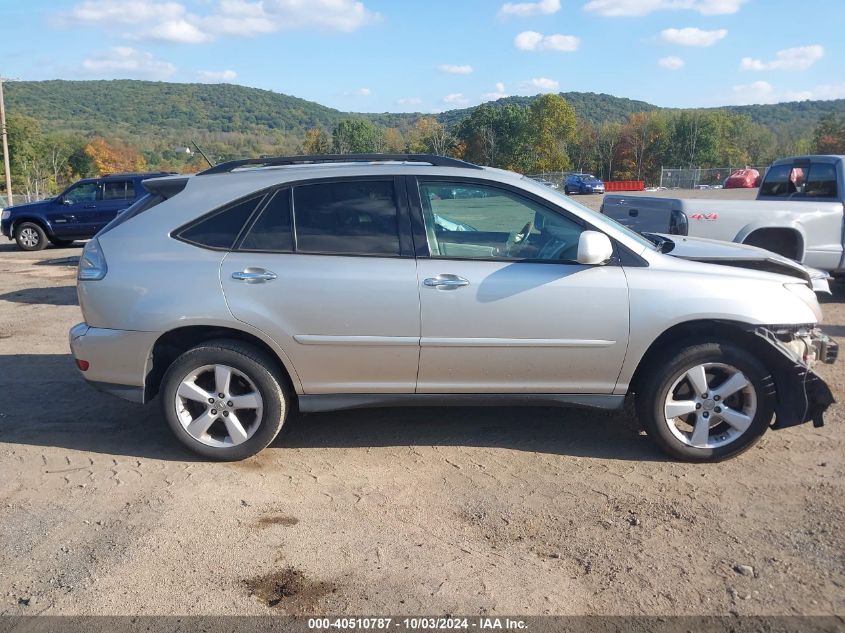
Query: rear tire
x,y
30,236
224,400
722,395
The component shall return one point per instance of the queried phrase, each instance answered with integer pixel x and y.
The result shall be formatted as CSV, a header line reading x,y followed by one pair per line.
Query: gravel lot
x,y
475,511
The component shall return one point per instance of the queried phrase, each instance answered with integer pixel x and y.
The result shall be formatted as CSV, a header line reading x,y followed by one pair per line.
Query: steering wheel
x,y
518,238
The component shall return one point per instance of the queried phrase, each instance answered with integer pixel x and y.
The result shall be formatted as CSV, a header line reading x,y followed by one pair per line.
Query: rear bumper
x,y
117,359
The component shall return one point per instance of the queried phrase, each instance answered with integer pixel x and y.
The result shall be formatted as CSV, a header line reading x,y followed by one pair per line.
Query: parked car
x,y
799,213
743,179
214,295
582,183
78,213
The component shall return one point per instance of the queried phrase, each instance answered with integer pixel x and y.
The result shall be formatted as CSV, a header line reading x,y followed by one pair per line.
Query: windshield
x,y
640,239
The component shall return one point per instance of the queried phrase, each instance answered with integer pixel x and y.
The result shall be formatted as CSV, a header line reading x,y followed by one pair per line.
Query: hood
x,y
24,206
740,255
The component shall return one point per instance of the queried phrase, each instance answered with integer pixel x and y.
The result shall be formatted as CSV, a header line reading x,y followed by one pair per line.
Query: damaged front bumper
x,y
802,396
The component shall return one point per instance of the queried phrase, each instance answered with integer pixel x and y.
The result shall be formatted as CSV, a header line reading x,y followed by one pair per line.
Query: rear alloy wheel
x,y
223,400
30,236
708,403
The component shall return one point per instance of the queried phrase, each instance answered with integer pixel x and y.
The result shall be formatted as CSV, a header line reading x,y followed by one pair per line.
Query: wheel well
x,y
16,223
783,241
695,332
174,343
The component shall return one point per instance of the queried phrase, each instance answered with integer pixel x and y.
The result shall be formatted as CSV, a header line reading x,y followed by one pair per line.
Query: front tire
x,y
30,236
224,400
707,402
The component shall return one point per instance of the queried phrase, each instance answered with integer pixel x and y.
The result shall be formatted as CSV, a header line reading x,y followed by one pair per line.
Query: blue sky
x,y
433,55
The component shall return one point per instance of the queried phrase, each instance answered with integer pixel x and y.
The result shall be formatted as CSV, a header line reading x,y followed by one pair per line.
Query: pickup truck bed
x,y
798,213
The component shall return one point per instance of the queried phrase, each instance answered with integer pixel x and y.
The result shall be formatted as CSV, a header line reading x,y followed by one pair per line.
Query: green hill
x,y
158,110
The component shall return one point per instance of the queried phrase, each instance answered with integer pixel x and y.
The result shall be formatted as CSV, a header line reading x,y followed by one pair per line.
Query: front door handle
x,y
254,275
446,282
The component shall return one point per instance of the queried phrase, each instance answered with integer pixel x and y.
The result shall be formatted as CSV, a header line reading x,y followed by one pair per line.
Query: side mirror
x,y
594,248
66,202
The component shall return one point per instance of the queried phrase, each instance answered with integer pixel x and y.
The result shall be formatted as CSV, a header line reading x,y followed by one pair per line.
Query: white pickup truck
x,y
798,213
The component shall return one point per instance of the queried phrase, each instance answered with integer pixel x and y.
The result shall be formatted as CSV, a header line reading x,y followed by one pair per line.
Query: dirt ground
x,y
470,511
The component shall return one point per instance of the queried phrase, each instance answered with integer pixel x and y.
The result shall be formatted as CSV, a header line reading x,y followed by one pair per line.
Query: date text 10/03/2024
x,y
418,623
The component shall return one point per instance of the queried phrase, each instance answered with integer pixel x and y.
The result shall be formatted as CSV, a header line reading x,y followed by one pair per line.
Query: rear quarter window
x,y
221,228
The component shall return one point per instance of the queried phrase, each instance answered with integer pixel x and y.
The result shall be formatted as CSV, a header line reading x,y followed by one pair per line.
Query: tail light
x,y
92,262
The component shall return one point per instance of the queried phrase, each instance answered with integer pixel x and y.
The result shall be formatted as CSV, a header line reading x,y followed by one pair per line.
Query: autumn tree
x,y
394,141
429,136
829,136
607,142
316,141
111,158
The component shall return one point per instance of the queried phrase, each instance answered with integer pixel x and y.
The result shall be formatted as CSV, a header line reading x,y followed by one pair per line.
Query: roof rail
x,y
280,161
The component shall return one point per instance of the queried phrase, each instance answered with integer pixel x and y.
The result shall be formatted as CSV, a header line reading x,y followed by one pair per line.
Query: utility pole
x,y
5,135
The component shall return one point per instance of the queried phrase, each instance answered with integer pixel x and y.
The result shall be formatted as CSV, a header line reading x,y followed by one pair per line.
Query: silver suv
x,y
263,286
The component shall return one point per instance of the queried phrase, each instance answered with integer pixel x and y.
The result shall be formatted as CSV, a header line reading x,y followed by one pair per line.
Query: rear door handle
x,y
254,275
446,282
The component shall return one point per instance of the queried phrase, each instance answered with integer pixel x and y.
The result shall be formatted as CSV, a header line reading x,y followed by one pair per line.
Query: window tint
x,y
272,230
83,192
783,181
118,190
221,229
347,218
481,222
821,181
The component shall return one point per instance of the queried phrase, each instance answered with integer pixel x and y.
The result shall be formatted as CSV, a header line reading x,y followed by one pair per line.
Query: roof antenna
x,y
199,149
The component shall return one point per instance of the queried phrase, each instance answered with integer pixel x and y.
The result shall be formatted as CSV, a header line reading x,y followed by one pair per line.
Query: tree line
x,y
543,135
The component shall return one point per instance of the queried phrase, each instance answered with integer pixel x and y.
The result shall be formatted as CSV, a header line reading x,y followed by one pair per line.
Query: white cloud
x,y
798,58
692,36
534,41
409,101
456,98
179,30
122,12
172,22
217,76
359,92
125,62
823,91
499,93
543,84
671,62
526,9
756,92
615,8
455,69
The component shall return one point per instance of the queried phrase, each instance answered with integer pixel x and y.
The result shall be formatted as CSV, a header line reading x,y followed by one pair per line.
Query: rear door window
x,y
351,217
118,190
272,231
220,229
821,181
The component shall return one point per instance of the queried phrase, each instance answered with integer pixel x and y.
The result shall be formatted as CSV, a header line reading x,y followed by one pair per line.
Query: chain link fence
x,y
21,198
700,177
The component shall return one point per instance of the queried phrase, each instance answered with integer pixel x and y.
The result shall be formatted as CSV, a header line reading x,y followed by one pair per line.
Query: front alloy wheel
x,y
30,237
707,402
710,405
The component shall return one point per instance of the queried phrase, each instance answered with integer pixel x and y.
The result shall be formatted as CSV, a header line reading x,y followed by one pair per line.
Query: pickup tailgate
x,y
646,214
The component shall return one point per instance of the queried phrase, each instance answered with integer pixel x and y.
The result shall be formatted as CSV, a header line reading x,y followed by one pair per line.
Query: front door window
x,y
475,221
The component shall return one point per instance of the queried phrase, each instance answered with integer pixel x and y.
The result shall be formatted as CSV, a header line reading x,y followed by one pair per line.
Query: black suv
x,y
78,213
